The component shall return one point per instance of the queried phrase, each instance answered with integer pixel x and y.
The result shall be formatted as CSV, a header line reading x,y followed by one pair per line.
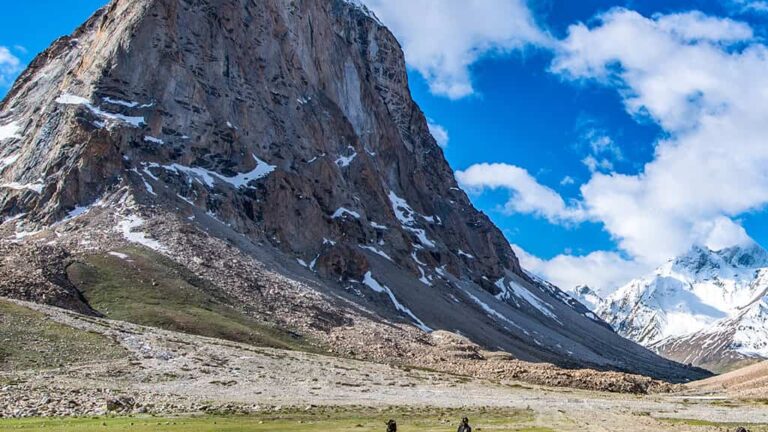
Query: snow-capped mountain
x,y
587,296
706,307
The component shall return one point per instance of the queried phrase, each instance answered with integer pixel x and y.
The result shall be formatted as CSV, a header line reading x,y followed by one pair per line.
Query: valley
x,y
232,215
166,381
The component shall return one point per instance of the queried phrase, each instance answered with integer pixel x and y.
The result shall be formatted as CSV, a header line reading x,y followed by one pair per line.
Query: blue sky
x,y
602,136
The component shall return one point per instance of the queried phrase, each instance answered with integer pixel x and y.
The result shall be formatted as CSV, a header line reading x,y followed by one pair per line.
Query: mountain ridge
x,y
705,307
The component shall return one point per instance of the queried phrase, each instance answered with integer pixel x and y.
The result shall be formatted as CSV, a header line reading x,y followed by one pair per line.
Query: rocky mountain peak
x,y
703,259
189,94
698,298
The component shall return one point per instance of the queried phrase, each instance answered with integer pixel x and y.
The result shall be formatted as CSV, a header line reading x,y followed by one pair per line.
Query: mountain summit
x,y
705,307
272,152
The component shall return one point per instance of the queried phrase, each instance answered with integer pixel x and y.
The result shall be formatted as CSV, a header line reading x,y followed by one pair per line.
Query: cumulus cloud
x,y
696,26
527,195
439,133
602,271
703,80
443,38
670,67
10,66
683,72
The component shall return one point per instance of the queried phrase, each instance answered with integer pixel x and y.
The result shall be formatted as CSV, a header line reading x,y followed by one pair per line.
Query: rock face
x,y
293,124
287,128
708,308
38,273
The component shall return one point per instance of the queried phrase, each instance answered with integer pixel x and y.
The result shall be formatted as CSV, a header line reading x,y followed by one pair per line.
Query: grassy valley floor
x,y
370,420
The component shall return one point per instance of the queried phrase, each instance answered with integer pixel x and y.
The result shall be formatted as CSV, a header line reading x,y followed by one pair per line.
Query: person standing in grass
x,y
391,426
464,426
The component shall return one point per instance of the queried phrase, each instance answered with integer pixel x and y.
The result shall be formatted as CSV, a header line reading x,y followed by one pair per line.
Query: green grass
x,y
711,424
336,420
149,289
29,340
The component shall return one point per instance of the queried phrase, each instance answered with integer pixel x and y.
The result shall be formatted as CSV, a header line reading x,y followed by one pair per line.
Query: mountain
x,y
706,307
258,169
586,296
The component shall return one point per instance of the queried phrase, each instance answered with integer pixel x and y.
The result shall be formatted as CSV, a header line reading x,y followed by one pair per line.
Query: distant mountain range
x,y
708,308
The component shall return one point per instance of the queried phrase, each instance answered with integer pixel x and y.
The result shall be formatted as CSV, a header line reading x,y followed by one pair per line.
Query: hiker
x,y
391,426
464,426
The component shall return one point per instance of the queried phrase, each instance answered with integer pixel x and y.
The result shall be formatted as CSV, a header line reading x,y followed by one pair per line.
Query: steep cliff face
x,y
287,128
291,123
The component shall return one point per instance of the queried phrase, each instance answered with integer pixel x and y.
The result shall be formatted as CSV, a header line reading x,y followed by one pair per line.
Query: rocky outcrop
x,y
38,273
285,129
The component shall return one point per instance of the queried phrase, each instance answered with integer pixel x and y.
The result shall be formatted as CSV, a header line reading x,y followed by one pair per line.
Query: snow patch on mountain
x,y
69,99
127,104
208,177
10,131
36,187
342,211
376,251
128,227
493,313
406,215
8,161
373,284
345,161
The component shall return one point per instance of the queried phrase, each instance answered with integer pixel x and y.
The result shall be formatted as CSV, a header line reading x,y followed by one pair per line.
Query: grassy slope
x,y
28,340
725,366
149,289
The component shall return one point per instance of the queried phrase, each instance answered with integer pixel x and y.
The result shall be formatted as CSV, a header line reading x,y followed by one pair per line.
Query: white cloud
x,y
594,165
527,195
10,66
756,6
602,271
443,38
439,133
602,151
681,71
704,81
567,180
674,74
600,143
721,233
696,26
